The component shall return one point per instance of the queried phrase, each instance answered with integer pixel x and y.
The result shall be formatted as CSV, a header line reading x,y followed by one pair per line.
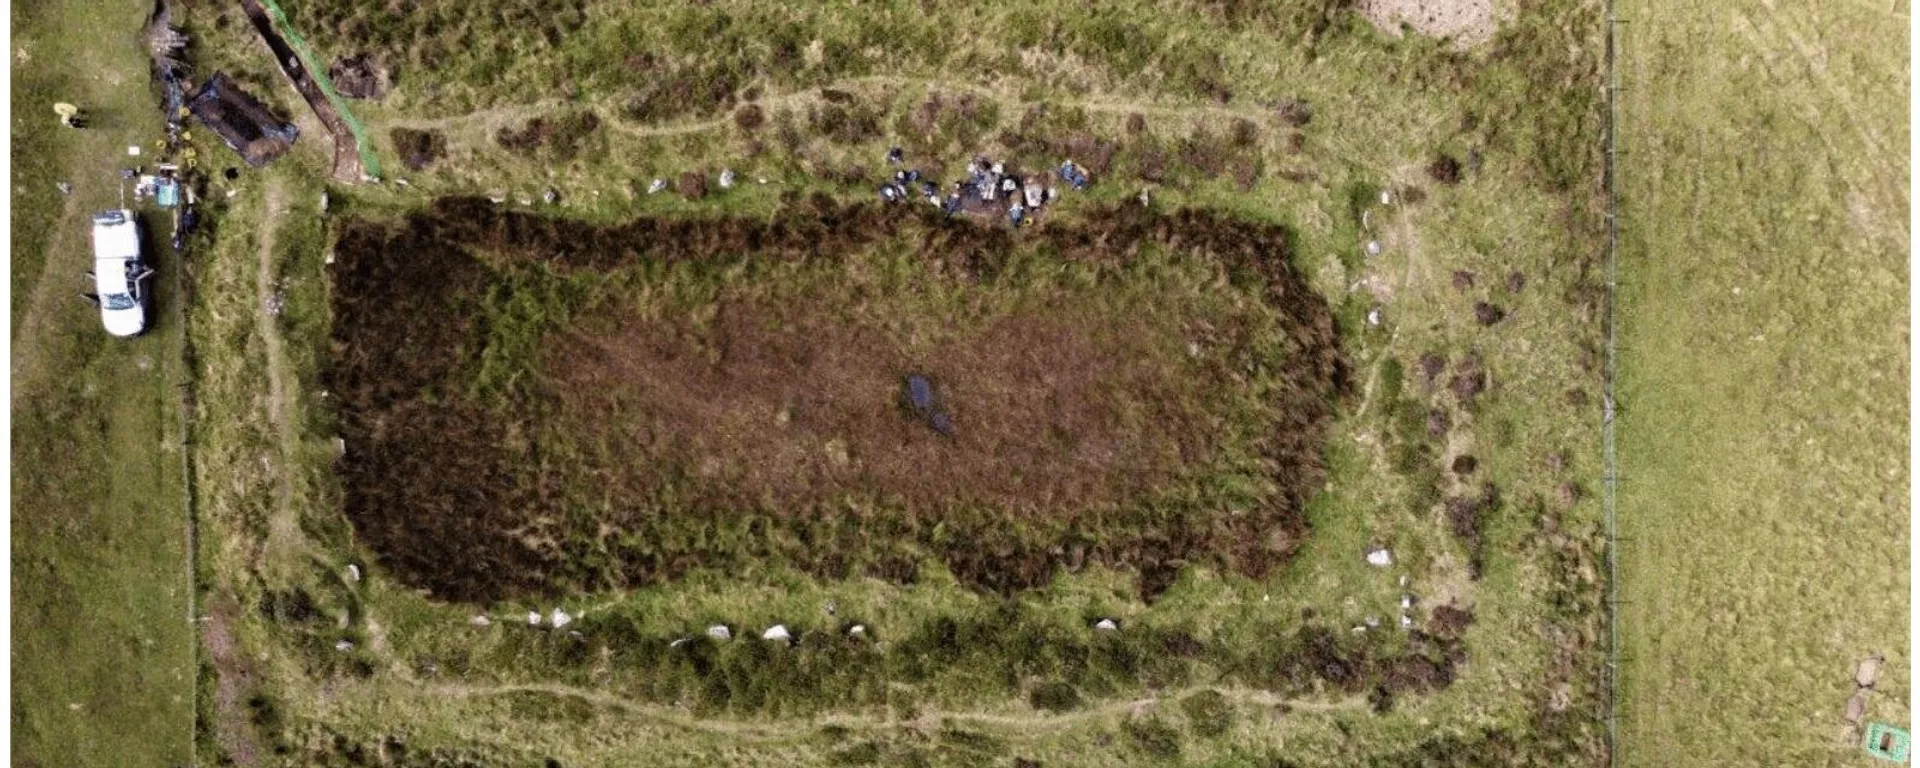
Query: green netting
x,y
368,163
1887,742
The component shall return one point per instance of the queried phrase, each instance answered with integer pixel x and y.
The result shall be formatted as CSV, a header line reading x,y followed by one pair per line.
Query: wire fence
x,y
183,287
1610,462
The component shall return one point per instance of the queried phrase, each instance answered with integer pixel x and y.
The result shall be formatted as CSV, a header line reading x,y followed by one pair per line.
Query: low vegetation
x,y
594,448
681,406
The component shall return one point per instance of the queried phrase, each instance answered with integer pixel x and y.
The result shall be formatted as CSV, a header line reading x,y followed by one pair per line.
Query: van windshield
x,y
117,301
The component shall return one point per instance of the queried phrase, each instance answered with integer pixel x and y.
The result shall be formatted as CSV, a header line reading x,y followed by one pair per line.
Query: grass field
x,y
1763,379
102,655
1463,441
1762,392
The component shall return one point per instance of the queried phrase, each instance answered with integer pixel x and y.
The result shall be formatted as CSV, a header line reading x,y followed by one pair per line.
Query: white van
x,y
119,276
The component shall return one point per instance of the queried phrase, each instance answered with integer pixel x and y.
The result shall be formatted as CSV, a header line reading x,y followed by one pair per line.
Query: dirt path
x,y
928,720
282,526
231,725
232,718
276,205
485,122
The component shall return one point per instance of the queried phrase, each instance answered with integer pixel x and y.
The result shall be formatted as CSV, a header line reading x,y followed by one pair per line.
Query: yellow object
x,y
65,110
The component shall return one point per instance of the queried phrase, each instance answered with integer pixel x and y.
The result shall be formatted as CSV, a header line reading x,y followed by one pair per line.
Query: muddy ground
x,y
478,502
1058,407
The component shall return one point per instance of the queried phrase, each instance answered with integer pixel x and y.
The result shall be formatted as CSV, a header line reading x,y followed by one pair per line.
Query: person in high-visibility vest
x,y
69,115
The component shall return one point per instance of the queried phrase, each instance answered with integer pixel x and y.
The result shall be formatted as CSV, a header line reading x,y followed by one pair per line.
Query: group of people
x,y
987,186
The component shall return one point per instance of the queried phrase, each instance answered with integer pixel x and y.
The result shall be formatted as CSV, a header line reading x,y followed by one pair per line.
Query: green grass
x,y
668,58
419,671
1760,431
1763,379
102,670
1414,96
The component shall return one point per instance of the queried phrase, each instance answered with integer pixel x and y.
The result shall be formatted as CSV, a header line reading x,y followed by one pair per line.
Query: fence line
x,y
185,359
1611,182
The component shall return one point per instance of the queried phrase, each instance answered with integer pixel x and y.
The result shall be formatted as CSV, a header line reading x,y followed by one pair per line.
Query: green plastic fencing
x,y
1888,743
368,162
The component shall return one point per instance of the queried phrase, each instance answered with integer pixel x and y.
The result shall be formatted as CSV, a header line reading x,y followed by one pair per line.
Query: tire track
x,y
25,369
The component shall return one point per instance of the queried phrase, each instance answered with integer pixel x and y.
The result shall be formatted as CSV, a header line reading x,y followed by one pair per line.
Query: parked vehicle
x,y
121,278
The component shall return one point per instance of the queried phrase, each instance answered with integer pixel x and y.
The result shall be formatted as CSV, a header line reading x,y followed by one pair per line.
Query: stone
x,y
1857,706
1868,672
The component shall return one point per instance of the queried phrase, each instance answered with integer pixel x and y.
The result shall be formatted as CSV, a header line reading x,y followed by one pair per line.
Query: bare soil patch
x,y
1467,22
769,403
360,77
769,432
418,150
557,139
233,679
